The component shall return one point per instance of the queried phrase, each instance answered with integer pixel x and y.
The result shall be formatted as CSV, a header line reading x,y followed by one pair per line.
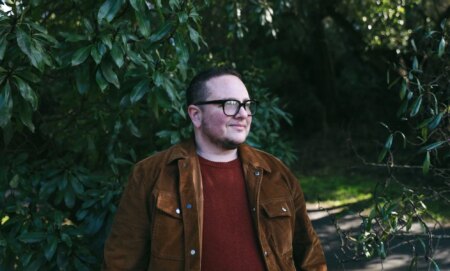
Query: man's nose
x,y
242,112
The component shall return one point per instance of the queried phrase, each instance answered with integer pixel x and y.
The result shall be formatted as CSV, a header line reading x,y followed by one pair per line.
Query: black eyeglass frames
x,y
231,107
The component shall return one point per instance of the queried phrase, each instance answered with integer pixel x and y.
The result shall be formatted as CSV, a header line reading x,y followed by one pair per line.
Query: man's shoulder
x,y
257,156
165,156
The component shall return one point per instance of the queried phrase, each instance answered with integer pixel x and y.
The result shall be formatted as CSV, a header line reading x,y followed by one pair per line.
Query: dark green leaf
x,y
426,163
6,105
436,120
3,45
162,32
133,129
26,115
193,34
139,91
415,65
32,237
50,249
101,82
109,74
109,9
96,55
432,146
36,264
138,5
106,39
441,48
29,76
69,197
388,143
144,23
24,42
415,107
81,55
82,78
424,123
27,93
117,55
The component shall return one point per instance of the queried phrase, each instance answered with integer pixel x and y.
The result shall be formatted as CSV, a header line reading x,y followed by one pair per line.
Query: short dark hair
x,y
197,90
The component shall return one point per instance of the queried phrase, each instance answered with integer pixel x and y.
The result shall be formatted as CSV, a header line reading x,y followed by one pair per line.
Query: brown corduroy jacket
x,y
158,224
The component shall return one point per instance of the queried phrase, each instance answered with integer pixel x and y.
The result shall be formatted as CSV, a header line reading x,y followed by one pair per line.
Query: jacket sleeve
x,y
128,244
308,252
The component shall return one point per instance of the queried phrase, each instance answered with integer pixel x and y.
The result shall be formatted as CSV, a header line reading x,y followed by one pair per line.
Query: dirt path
x,y
399,259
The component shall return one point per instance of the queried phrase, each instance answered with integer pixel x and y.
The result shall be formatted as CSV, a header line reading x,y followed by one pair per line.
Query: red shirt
x,y
229,238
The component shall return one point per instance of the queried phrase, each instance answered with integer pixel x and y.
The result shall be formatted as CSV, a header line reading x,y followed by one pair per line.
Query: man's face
x,y
223,131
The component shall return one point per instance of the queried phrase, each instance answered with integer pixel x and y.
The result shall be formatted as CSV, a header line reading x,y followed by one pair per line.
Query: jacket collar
x,y
248,155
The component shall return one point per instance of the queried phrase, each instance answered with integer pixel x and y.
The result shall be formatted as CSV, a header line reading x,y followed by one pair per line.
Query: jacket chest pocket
x,y
167,236
278,224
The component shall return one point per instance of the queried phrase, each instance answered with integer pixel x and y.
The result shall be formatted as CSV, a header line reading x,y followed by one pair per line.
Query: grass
x,y
336,190
340,190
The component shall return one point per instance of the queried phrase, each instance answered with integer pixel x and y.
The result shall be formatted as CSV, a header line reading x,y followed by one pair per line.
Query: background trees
x,y
87,89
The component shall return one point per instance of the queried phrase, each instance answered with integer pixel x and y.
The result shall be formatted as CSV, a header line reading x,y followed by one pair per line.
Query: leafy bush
x,y
86,90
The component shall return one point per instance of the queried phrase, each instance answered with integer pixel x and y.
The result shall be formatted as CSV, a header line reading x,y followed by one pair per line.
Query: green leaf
x,y
106,39
133,129
81,55
50,248
36,264
6,105
143,20
32,237
109,74
109,9
426,164
117,55
69,197
424,123
139,91
26,115
415,107
96,55
138,5
194,35
162,32
415,64
435,123
24,42
82,78
27,93
388,143
3,45
101,82
431,146
441,48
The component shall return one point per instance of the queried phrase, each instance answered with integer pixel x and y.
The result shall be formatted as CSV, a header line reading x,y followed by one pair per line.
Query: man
x,y
213,203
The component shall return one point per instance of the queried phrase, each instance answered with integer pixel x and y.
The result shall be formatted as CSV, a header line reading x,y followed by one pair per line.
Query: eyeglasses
x,y
231,107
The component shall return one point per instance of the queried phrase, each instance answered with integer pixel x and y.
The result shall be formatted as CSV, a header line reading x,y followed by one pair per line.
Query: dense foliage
x,y
88,88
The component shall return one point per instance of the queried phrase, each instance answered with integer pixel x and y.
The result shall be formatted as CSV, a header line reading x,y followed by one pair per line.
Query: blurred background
x,y
354,97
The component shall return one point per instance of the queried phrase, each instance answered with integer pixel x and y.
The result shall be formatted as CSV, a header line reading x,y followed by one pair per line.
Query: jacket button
x,y
257,173
265,253
283,209
254,209
193,252
178,211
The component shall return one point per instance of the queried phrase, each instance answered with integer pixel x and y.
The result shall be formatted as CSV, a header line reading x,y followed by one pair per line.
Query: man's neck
x,y
216,154
224,156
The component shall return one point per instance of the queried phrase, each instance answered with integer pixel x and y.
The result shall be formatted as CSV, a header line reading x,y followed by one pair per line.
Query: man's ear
x,y
195,114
